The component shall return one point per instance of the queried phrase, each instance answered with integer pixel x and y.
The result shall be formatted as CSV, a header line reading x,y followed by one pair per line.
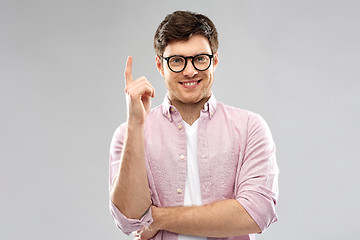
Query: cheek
x,y
211,80
170,77
169,80
210,77
167,72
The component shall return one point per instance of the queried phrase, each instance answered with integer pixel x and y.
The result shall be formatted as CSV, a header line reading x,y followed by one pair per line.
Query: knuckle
x,y
131,96
143,79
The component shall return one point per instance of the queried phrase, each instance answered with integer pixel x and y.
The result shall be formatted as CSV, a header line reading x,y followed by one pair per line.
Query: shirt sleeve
x,y
126,225
257,173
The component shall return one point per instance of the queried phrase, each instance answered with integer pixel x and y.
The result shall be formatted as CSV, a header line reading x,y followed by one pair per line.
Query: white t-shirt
x,y
192,186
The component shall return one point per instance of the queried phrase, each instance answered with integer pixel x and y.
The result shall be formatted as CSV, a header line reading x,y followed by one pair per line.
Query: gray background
x,y
61,70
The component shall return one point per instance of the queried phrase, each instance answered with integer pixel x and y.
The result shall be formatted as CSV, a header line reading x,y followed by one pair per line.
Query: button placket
x,y
180,157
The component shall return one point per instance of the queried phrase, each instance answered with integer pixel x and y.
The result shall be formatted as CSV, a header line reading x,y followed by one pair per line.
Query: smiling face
x,y
190,85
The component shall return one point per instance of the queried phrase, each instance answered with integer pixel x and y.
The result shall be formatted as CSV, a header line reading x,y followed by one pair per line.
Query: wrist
x,y
134,124
158,215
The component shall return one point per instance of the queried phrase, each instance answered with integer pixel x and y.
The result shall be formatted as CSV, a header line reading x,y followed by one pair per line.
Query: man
x,y
192,167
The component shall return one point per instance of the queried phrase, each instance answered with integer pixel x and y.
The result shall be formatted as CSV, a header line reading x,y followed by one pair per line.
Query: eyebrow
x,y
191,55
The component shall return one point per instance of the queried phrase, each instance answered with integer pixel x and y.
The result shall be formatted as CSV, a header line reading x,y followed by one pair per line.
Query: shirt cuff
x,y
261,210
128,225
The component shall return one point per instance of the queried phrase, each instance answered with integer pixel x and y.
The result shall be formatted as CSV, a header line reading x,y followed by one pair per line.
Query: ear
x,y
159,65
216,60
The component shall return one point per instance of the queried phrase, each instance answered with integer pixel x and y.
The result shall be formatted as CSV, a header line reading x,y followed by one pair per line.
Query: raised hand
x,y
138,95
132,173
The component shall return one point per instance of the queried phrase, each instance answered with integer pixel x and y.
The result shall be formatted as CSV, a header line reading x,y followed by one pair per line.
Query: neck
x,y
189,112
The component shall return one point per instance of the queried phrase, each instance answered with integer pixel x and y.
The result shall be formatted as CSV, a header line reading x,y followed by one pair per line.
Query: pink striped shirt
x,y
236,156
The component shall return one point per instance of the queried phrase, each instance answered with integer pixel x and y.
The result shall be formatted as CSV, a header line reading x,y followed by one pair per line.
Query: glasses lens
x,y
177,63
202,62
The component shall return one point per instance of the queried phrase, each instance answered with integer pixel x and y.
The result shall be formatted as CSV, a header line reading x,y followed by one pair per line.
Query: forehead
x,y
195,45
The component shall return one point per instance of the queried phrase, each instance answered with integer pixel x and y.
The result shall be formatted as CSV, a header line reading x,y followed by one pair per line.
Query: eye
x,y
201,58
176,60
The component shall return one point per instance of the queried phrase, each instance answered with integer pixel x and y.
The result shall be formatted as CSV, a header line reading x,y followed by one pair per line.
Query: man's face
x,y
190,85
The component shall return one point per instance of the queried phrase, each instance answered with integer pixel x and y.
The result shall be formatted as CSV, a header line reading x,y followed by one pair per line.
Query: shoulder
x,y
242,117
118,135
155,117
155,112
234,113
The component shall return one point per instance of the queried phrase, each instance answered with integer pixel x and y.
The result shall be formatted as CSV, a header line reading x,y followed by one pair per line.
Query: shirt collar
x,y
209,106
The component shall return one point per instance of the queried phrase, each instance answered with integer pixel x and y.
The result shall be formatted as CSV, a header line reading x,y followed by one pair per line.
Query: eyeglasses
x,y
177,63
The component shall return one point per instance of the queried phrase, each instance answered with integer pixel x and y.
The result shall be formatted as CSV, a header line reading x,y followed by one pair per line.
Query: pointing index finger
x,y
128,71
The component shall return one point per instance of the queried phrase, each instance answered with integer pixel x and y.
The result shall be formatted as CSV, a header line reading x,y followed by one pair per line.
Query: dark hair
x,y
181,26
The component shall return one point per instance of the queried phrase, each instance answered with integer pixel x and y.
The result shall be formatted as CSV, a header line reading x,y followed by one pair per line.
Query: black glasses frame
x,y
186,60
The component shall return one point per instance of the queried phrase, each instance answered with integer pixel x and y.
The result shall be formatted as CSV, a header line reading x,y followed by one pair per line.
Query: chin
x,y
192,99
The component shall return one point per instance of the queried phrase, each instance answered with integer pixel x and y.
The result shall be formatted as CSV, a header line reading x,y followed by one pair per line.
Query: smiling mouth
x,y
190,83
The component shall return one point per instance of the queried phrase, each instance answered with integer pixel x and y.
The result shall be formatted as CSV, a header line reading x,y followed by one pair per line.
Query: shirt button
x,y
182,157
179,191
180,126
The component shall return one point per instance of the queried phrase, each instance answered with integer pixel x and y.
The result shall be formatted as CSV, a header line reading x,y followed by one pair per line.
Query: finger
x,y
128,71
141,90
153,89
150,91
138,87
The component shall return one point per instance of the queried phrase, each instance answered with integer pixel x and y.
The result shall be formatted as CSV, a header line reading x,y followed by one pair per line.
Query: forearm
x,y
130,190
220,219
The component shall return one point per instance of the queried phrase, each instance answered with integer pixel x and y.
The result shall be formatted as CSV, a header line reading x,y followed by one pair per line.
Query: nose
x,y
190,71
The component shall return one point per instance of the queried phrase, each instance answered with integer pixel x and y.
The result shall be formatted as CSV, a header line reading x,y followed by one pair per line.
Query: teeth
x,y
190,83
